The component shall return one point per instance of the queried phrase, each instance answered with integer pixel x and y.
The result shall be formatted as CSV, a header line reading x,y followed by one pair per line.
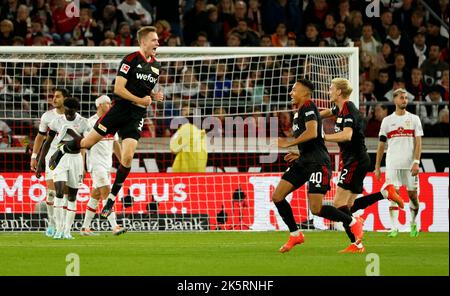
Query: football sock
x,y
122,173
112,218
91,209
58,211
50,211
333,214
393,212
350,234
285,211
64,212
414,211
70,216
365,201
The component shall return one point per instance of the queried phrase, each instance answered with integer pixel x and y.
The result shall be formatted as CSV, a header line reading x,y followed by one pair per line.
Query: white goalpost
x,y
216,81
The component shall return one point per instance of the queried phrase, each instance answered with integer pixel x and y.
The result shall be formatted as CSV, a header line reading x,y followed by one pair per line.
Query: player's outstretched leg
x,y
122,173
91,209
388,192
355,246
51,229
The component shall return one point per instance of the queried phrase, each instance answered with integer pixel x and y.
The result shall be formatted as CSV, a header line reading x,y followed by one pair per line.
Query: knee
x,y
315,209
277,197
337,204
126,160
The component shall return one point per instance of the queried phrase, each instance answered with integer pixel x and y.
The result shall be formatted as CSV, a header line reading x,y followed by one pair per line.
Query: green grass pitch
x,y
222,253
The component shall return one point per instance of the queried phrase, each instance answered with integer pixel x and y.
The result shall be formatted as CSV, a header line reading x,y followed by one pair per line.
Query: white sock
x,y
393,212
91,209
64,208
50,204
70,216
58,211
414,212
295,233
111,218
353,222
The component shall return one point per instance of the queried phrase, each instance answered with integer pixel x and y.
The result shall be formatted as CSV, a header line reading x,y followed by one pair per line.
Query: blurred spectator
x,y
148,129
188,88
86,31
383,25
9,11
432,67
434,34
417,24
5,79
124,37
401,43
429,114
417,88
194,21
311,38
441,128
315,12
367,95
265,41
328,30
41,13
281,36
169,10
374,123
418,52
343,12
385,57
214,27
238,100
398,83
240,13
5,135
222,85
37,31
135,14
173,41
22,23
399,69
110,39
6,32
254,16
282,11
163,30
368,67
110,19
64,24
340,38
402,16
225,9
285,124
201,40
382,84
247,35
19,41
368,43
355,25
234,39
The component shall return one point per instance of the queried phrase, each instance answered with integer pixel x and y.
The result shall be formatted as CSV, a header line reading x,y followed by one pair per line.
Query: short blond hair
x,y
144,31
399,91
344,86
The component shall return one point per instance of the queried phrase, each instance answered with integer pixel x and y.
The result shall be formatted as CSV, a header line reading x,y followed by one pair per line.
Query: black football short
x,y
318,176
353,173
123,118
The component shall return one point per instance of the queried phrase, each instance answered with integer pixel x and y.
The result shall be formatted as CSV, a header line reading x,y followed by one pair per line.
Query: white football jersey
x,y
101,153
400,132
46,118
60,125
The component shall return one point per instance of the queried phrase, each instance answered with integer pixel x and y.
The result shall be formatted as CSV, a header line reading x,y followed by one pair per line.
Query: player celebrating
x,y
60,94
313,165
403,133
137,76
356,162
99,163
70,172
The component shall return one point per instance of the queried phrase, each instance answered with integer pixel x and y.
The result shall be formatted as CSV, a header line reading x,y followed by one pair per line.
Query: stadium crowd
x,y
405,47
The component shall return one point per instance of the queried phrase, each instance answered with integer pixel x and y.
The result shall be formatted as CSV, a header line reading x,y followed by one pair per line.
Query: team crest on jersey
x,y
408,123
124,68
155,70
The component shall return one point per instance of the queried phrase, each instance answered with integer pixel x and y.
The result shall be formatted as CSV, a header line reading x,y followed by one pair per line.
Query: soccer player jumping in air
x,y
137,76
349,134
312,165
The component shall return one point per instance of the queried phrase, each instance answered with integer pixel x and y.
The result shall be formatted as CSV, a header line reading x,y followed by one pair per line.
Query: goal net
x,y
244,90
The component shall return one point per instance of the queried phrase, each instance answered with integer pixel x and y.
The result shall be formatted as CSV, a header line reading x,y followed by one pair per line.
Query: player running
x,y
70,172
60,94
349,134
403,133
137,76
99,163
312,165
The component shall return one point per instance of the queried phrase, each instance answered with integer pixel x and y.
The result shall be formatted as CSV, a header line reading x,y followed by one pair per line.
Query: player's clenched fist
x,y
291,156
145,101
